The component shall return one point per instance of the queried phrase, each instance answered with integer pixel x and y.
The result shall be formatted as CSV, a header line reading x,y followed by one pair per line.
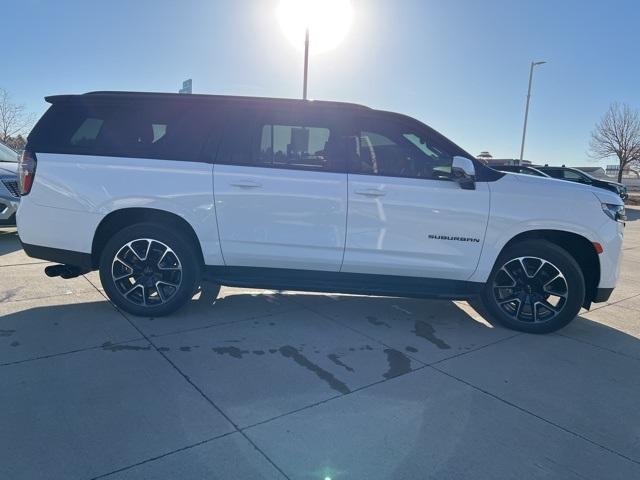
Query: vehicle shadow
x,y
440,325
399,322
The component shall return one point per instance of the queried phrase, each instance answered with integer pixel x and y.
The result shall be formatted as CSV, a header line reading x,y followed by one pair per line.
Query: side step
x,y
63,271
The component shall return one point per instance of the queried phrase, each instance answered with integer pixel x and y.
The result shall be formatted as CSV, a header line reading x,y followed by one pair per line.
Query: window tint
x,y
292,146
554,173
144,129
574,176
396,149
295,140
87,132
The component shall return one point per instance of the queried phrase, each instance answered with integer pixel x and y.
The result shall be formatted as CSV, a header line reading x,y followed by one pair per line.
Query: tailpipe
x,y
63,271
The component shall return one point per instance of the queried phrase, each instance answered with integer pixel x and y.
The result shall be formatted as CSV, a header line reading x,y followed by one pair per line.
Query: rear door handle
x,y
246,184
371,192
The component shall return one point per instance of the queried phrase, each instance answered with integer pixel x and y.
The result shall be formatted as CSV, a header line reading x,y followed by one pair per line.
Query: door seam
x,y
346,228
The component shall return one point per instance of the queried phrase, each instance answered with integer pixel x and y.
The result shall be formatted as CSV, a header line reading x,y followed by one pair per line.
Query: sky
x,y
461,66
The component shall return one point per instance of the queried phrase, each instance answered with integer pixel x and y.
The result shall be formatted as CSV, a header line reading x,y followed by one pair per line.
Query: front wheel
x,y
149,270
535,287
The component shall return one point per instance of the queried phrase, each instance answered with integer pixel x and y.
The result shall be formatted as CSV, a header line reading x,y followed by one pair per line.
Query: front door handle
x,y
371,192
246,184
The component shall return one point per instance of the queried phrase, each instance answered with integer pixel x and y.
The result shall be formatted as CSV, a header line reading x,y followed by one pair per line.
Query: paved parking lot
x,y
264,384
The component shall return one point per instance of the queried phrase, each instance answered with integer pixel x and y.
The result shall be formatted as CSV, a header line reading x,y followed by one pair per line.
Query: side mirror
x,y
464,172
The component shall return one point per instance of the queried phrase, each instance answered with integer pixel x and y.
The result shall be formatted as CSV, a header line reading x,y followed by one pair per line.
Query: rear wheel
x,y
535,287
149,270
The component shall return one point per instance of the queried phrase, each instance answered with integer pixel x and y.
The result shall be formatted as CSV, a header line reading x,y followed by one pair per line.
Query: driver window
x,y
574,177
395,150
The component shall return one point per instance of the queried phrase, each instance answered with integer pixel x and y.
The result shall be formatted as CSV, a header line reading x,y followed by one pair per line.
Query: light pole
x,y
526,111
306,63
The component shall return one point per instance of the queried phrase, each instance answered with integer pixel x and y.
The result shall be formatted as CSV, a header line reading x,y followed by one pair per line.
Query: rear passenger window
x,y
169,130
87,133
289,146
284,139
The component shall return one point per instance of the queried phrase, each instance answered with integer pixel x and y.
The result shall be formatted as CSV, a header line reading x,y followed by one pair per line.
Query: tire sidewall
x,y
567,266
182,247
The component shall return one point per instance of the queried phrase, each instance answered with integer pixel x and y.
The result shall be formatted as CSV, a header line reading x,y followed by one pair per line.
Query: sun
x,y
328,21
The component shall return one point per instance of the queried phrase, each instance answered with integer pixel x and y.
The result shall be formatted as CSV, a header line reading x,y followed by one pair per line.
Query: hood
x,y
549,182
548,185
8,168
610,182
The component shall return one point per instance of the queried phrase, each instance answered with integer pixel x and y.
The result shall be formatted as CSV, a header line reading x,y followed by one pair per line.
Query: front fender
x,y
519,206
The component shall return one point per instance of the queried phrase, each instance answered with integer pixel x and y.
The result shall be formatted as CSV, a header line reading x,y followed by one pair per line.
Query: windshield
x,y
584,175
7,154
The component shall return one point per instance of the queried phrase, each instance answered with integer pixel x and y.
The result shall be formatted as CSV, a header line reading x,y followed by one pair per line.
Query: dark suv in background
x,y
578,176
524,169
9,197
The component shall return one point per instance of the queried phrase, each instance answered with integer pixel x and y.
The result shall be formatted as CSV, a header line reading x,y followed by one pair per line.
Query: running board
x,y
342,282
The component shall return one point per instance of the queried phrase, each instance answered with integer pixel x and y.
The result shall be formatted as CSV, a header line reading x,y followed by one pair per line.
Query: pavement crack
x,y
524,410
196,388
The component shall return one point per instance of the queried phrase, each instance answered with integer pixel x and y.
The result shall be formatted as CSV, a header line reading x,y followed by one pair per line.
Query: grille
x,y
12,186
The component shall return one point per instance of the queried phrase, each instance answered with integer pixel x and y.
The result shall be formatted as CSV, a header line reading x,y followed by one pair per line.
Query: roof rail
x,y
199,96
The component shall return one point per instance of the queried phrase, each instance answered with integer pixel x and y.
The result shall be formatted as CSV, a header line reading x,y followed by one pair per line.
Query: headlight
x,y
614,212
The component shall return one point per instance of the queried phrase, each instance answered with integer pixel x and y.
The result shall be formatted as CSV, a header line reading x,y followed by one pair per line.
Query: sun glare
x,y
328,21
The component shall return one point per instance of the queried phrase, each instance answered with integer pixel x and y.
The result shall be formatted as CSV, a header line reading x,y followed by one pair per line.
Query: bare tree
x,y
17,143
14,118
617,134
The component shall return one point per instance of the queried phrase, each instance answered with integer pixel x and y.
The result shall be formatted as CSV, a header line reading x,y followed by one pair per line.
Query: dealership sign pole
x,y
526,111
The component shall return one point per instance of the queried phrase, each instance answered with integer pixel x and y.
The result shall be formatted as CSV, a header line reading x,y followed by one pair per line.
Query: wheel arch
x,y
578,246
119,219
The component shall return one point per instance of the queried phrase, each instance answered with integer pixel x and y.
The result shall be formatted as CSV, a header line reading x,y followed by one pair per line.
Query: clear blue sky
x,y
460,66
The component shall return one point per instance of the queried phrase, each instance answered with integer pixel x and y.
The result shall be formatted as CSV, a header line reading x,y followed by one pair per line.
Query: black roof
x,y
181,97
120,95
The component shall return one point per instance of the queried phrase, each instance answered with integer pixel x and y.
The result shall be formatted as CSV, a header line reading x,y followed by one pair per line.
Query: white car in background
x,y
9,197
157,191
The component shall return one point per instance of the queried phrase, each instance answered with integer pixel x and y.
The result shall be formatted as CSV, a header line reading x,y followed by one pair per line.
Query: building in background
x,y
487,159
187,86
597,172
629,171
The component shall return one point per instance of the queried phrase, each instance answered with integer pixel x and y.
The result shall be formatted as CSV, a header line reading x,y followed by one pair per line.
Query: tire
x,y
535,287
149,270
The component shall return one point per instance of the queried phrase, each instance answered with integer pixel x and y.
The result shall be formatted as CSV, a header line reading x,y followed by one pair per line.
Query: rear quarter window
x,y
163,130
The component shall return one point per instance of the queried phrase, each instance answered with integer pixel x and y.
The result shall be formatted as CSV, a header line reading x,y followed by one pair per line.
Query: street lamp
x,y
526,111
306,62
328,20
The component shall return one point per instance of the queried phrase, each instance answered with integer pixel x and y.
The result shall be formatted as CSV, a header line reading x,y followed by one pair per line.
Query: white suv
x,y
161,191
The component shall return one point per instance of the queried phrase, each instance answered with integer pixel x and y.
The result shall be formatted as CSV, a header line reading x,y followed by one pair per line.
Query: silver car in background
x,y
9,196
